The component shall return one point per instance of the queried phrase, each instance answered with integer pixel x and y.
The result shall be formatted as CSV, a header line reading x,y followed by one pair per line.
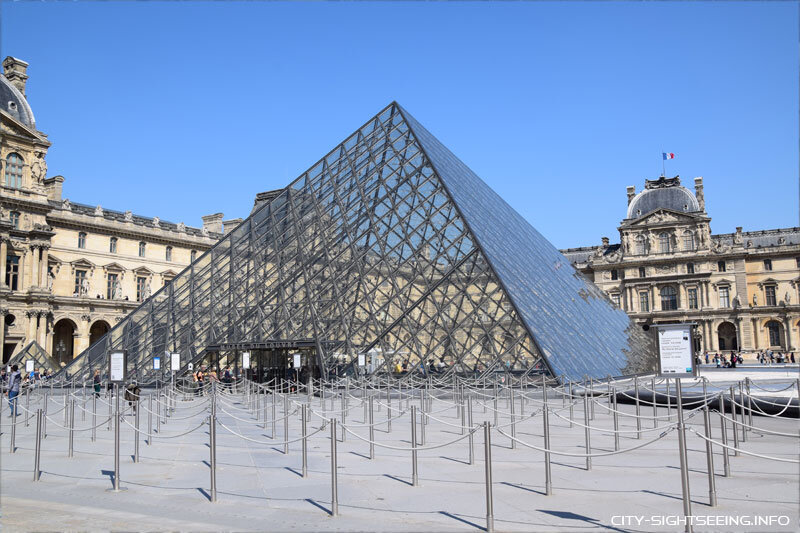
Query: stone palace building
x,y
70,271
742,289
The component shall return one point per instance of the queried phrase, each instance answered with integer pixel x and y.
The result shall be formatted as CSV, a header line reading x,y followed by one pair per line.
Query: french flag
x,y
668,155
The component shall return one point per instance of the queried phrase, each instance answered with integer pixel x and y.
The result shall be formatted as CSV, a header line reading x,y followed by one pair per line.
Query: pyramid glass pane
x,y
372,252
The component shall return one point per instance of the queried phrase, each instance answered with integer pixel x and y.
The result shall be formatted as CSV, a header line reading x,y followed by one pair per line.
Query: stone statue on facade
x,y
181,227
755,299
84,288
50,279
156,222
116,290
98,211
737,302
146,292
128,216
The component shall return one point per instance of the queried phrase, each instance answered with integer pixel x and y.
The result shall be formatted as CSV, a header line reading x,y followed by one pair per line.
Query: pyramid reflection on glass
x,y
391,247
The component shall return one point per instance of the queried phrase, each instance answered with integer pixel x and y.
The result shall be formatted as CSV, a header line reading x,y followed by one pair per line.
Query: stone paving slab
x,y
260,489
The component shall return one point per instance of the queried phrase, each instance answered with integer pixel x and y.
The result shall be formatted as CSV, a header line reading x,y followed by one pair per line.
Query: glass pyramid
x,y
41,359
388,247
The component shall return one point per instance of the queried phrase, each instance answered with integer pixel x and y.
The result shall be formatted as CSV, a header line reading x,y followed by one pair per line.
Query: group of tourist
x,y
204,375
767,357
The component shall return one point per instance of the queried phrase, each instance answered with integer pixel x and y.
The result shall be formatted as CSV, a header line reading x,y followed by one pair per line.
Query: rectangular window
x,y
14,216
81,240
724,299
112,281
767,264
12,272
770,294
614,274
690,268
721,266
80,277
644,302
112,245
141,249
692,298
141,283
169,253
615,299
641,272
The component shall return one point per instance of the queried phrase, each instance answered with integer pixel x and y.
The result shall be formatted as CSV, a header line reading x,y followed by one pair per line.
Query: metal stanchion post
x,y
495,408
726,464
149,418
334,472
487,455
616,418
733,425
587,432
136,413
687,499
389,411
471,432
571,405
94,417
13,445
638,412
38,452
513,421
464,413
655,403
286,424
117,420
749,404
27,405
304,427
742,412
212,435
414,479
371,427
66,410
110,407
71,427
591,393
669,400
712,489
274,411
548,479
44,413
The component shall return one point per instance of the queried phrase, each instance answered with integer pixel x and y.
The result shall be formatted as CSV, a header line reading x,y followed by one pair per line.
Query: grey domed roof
x,y
12,102
663,194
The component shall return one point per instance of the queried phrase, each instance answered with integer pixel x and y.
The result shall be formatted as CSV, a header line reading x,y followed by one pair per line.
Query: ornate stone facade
x,y
68,271
742,289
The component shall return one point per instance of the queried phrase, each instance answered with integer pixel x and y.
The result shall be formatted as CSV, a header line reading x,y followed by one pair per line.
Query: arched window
x,y
169,253
81,240
663,243
14,164
112,245
14,217
669,299
641,245
688,241
141,249
774,329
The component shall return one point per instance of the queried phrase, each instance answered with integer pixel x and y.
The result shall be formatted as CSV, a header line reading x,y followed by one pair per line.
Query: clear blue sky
x,y
183,109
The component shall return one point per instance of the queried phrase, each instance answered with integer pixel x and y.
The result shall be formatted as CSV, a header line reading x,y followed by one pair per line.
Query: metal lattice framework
x,y
41,359
390,247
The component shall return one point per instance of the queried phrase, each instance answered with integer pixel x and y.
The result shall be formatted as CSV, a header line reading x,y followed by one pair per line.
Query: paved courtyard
x,y
259,488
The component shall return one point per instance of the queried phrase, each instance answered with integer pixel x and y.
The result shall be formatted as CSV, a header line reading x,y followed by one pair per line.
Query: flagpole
x,y
663,164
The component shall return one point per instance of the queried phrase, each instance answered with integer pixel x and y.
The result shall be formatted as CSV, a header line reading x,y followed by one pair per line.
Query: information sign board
x,y
117,366
362,359
29,366
296,360
675,353
245,360
175,360
156,363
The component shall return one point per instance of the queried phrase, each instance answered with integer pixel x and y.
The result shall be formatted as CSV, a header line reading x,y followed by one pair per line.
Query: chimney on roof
x,y
228,225
213,223
698,192
15,71
631,193
605,242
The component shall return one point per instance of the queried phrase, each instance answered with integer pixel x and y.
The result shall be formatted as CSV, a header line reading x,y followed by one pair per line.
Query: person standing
x,y
96,382
14,383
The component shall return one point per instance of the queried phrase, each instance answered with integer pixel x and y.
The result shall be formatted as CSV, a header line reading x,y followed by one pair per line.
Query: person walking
x,y
14,383
96,382
132,393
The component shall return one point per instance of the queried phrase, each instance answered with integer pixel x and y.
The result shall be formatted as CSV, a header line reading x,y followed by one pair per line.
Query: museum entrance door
x,y
278,362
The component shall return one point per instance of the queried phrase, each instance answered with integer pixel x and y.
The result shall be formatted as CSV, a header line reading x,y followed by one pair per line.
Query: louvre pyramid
x,y
388,246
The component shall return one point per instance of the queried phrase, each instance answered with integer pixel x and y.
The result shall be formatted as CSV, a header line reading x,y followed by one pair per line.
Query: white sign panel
x,y
362,359
175,360
296,360
245,360
116,367
156,363
676,357
29,365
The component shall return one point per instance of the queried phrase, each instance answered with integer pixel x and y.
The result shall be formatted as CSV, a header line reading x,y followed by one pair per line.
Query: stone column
x,y
30,331
739,333
713,336
44,328
3,256
3,313
81,336
34,266
787,328
43,266
755,334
